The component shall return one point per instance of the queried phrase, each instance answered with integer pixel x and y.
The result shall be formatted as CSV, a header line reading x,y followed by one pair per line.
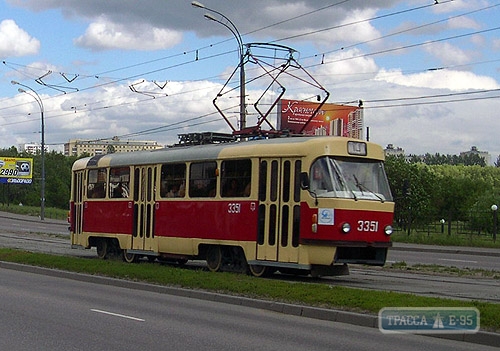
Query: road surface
x,y
39,312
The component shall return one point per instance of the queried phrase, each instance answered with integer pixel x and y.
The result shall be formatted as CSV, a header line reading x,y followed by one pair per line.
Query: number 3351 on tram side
x,y
302,205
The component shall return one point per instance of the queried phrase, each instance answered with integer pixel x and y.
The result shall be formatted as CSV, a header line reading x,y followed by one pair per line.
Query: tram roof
x,y
277,147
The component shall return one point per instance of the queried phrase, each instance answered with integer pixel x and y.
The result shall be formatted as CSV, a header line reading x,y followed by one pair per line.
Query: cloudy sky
x,y
428,72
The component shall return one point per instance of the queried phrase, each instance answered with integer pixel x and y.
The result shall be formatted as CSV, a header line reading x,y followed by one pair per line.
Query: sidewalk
x,y
27,218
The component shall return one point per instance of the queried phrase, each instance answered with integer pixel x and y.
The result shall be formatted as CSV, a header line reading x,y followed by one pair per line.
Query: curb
x,y
353,318
450,250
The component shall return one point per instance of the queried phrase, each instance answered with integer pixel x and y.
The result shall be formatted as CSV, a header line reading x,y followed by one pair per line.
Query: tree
x,y
427,193
412,186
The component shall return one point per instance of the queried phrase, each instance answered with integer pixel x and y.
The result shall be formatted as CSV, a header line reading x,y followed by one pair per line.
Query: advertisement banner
x,y
331,119
15,170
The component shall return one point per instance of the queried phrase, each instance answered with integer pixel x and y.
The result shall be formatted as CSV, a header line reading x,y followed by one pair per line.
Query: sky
x,y
428,72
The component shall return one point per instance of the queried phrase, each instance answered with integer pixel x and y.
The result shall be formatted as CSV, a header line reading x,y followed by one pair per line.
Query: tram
x,y
301,205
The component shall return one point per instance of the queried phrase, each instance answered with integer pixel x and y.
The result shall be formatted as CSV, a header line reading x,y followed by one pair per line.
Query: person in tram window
x,y
182,190
174,191
232,189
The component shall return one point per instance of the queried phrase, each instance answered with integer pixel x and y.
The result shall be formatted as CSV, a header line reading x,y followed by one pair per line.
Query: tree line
x,y
425,191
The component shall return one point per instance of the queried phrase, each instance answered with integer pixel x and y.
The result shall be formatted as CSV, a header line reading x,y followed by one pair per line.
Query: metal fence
x,y
482,224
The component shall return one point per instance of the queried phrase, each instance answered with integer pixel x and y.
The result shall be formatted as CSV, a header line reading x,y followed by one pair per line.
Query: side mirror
x,y
304,181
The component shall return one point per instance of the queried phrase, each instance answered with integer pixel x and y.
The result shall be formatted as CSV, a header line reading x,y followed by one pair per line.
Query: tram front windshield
x,y
350,178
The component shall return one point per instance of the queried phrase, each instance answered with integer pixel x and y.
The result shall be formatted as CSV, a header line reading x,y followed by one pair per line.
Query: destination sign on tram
x,y
14,170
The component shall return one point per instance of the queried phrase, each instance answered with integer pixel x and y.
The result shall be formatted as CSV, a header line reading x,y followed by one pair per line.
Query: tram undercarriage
x,y
219,258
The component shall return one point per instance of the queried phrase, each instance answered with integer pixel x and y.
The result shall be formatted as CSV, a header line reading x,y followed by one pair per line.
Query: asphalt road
x,y
461,257
40,312
13,223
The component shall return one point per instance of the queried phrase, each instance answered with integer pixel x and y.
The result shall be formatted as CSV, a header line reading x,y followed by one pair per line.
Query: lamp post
x,y
39,101
494,208
232,28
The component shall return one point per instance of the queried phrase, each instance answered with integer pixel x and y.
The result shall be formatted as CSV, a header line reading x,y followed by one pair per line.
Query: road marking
x,y
462,261
118,315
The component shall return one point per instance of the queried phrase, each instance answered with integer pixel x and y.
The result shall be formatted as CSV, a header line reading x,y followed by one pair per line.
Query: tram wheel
x,y
129,257
258,270
102,248
214,258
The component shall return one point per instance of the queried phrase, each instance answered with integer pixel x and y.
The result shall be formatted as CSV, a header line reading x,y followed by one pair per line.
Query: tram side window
x,y
119,182
173,180
96,188
236,178
202,179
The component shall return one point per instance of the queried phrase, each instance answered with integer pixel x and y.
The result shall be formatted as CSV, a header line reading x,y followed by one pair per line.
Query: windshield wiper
x,y
362,187
341,179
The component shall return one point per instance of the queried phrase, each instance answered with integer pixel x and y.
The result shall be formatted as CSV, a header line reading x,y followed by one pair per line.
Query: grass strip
x,y
304,293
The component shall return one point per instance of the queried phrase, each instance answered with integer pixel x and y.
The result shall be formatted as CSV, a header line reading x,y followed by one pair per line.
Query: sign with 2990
x,y
15,170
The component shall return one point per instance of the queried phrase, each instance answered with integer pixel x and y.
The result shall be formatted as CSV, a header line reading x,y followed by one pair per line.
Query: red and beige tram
x,y
308,205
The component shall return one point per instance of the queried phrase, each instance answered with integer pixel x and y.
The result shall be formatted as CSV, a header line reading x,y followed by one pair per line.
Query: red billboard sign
x,y
331,119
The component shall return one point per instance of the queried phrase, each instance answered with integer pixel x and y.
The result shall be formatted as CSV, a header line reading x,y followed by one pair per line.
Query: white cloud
x,y
104,34
348,74
441,79
496,44
346,66
448,54
463,22
14,41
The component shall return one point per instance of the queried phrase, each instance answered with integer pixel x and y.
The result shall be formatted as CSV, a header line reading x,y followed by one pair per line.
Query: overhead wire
x,y
116,81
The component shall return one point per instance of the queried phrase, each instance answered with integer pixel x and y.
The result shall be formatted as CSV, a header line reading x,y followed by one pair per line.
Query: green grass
x,y
50,212
307,293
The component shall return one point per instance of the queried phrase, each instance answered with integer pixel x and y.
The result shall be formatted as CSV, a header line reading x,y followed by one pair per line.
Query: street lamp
x,y
232,28
39,101
494,208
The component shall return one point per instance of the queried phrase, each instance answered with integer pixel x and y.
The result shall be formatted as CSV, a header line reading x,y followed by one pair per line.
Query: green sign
x,y
429,320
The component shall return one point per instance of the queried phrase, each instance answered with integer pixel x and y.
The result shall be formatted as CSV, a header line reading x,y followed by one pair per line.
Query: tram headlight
x,y
388,230
346,228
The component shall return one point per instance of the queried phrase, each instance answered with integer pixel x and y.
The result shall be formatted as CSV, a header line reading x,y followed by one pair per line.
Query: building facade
x,y
32,148
392,150
474,151
77,147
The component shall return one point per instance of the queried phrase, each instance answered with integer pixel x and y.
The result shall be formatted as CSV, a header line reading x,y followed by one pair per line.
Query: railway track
x,y
52,237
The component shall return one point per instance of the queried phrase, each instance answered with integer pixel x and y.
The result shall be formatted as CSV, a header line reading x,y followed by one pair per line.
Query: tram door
x,y
77,215
279,210
144,202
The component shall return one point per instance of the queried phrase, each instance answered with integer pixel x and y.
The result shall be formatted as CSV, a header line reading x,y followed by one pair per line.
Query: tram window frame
x,y
203,179
263,180
97,185
236,178
119,183
173,176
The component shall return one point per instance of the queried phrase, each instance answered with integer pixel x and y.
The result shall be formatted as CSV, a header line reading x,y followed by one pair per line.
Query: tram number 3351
x,y
233,207
367,226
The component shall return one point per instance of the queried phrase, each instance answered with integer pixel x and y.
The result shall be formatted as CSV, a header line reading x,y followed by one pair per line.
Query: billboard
x,y
331,119
15,170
